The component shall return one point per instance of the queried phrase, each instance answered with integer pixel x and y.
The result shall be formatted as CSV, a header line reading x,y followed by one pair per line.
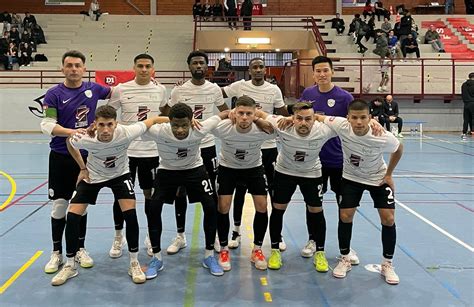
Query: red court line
x,y
25,195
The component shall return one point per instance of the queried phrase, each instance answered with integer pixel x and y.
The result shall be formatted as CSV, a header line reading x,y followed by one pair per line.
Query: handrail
x,y
318,37
129,2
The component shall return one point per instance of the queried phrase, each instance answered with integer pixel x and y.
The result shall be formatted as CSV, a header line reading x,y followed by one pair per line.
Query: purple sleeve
x,y
50,99
103,91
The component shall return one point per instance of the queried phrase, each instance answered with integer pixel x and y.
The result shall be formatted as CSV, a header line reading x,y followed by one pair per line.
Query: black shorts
x,y
146,170
269,156
252,178
86,193
209,157
62,177
284,187
382,196
195,181
335,176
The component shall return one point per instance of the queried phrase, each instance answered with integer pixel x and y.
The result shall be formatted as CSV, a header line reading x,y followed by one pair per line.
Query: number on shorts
x,y
320,190
390,193
129,184
207,186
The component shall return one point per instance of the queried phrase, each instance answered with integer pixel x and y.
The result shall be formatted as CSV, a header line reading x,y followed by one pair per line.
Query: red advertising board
x,y
113,77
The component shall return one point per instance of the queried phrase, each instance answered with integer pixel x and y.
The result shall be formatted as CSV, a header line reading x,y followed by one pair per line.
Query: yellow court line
x,y
12,192
15,276
268,297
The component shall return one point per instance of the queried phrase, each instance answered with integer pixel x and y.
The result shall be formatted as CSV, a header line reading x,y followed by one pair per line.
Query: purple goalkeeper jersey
x,y
333,103
75,108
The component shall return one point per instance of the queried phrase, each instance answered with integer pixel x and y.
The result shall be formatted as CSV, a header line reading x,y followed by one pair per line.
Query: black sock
x,y
276,225
180,207
132,230
319,230
72,233
260,223
155,225
118,216
309,225
57,230
209,222
389,239
344,234
82,231
223,225
147,206
239,199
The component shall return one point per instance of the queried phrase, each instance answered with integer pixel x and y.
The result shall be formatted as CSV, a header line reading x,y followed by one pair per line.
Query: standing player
x,y
181,165
298,164
107,166
365,169
328,99
202,96
138,100
268,98
68,106
240,162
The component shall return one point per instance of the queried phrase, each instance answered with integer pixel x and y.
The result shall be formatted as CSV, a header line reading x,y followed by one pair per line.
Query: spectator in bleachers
x,y
405,26
6,17
197,9
352,25
394,45
371,32
217,11
17,21
469,6
377,110
449,7
381,44
15,36
337,23
3,52
12,54
37,34
25,54
29,21
432,37
207,11
368,9
410,45
380,11
384,71
94,10
467,94
391,113
231,13
386,26
361,29
246,14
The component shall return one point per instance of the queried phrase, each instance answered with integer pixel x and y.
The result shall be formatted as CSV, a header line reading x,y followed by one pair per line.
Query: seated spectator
x,y
432,37
17,21
197,9
376,108
25,54
217,11
12,54
381,44
353,24
368,9
94,10
410,45
6,17
25,37
391,115
28,21
337,23
15,36
394,45
386,25
207,11
37,35
380,11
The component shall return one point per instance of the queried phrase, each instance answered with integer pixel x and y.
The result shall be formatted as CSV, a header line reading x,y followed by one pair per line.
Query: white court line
x,y
467,246
433,176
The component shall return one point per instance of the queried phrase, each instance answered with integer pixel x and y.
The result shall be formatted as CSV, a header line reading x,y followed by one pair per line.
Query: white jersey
x,y
267,97
109,160
363,155
180,154
202,99
240,150
299,155
137,103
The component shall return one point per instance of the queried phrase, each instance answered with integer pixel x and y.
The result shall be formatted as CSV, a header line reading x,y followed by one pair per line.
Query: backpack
x,y
39,57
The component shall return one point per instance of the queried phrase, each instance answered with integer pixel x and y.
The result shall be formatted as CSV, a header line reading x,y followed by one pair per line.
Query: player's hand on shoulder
x,y
285,123
179,83
91,130
377,128
224,114
196,124
231,116
265,126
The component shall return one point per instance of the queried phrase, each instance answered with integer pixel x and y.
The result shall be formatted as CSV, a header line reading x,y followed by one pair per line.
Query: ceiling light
x,y
253,40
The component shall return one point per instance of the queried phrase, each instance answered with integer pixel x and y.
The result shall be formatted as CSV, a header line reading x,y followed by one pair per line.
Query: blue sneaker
x,y
214,267
154,267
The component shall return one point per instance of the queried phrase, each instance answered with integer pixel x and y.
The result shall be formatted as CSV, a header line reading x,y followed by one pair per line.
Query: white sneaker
x,y
217,245
388,272
177,244
135,271
66,273
149,249
235,241
309,249
82,256
117,245
341,269
379,89
54,263
353,257
384,88
282,245
400,135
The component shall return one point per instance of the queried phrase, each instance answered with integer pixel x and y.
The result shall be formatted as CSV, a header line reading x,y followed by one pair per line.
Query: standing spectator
x,y
25,54
337,23
353,25
368,9
217,11
467,93
384,70
94,10
432,37
381,47
405,26
246,14
361,29
449,7
386,25
231,13
410,45
371,32
391,114
197,9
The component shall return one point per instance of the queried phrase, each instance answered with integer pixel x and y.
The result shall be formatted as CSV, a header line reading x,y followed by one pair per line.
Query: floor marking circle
x,y
12,191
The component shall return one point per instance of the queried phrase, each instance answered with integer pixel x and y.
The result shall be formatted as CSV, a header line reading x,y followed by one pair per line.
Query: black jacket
x,y
246,9
467,91
376,110
390,109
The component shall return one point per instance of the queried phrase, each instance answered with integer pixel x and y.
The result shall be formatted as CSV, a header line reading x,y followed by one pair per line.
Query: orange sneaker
x,y
259,259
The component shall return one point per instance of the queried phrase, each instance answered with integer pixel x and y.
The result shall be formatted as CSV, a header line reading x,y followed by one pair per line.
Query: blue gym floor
x,y
434,254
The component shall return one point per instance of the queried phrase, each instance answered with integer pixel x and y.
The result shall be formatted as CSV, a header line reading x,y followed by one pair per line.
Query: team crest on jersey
x,y
88,93
331,103
300,156
81,117
268,99
142,113
198,111
355,160
240,154
110,162
182,153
